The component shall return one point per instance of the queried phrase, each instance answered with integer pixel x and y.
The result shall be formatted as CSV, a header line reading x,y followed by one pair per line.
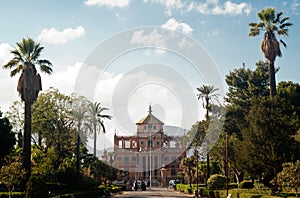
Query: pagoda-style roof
x,y
149,119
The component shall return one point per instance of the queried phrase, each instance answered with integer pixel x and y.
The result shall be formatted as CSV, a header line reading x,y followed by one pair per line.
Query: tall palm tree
x,y
26,57
96,119
206,94
79,114
271,23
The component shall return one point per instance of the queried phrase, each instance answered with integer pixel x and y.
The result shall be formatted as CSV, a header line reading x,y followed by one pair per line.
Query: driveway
x,y
153,192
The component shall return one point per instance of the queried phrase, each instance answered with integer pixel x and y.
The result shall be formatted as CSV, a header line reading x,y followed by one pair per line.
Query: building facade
x,y
149,154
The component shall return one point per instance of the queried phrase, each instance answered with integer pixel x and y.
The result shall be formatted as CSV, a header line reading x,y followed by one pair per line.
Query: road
x,y
153,192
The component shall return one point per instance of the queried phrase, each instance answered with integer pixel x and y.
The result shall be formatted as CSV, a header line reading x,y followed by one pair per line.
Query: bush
x,y
14,194
216,182
246,185
87,183
36,187
68,176
233,185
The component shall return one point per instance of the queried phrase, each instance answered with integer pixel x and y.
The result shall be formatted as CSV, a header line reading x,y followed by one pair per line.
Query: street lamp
x,y
150,142
150,161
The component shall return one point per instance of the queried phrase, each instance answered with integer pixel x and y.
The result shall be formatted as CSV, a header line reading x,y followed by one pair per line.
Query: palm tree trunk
x,y
27,140
272,78
95,140
207,107
78,149
207,168
207,155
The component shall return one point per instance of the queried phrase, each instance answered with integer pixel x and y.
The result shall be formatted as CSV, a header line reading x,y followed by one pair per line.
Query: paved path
x,y
153,193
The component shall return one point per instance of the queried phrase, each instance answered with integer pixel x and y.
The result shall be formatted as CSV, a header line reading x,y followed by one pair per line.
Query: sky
x,y
128,54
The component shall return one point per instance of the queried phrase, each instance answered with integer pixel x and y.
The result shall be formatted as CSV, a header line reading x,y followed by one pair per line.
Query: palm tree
x,y
272,23
207,96
95,117
79,114
26,57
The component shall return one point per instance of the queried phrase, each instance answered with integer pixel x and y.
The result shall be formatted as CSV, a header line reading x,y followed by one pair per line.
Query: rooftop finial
x,y
150,109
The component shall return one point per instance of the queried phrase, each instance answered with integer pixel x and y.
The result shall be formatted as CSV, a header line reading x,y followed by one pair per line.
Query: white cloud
x,y
174,25
183,43
63,80
153,39
108,3
228,8
168,4
5,54
190,7
53,36
294,6
8,85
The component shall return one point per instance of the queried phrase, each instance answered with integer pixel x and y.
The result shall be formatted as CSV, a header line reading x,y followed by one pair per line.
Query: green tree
x,y
206,94
268,138
52,122
26,57
290,175
79,112
189,165
272,24
196,134
99,170
12,175
243,84
15,114
291,92
7,138
95,117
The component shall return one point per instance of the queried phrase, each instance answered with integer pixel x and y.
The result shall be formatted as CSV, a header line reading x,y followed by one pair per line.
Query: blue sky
x,y
71,31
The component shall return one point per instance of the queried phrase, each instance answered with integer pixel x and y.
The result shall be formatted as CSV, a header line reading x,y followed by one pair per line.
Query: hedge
x,y
246,185
14,194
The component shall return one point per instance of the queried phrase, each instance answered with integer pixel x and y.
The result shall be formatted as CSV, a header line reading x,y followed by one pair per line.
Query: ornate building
x,y
149,154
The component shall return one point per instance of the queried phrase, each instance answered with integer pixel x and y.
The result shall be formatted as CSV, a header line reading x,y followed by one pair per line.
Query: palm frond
x,y
283,43
106,116
284,19
252,24
17,69
103,127
278,16
45,66
285,25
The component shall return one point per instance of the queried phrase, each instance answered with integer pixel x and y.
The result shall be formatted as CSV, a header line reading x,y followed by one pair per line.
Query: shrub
x,y
216,182
246,185
36,187
232,185
68,176
188,190
13,194
87,183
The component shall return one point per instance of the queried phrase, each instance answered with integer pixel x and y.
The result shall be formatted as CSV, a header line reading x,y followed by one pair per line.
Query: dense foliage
x,y
216,182
7,138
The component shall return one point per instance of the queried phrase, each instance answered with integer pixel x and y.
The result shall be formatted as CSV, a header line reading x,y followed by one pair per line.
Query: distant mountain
x,y
174,130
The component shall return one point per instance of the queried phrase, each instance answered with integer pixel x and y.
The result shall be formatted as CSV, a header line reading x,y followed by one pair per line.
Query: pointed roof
x,y
149,119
